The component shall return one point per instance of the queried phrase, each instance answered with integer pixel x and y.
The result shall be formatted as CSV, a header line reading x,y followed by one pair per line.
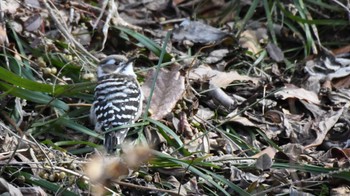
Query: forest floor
x,y
241,97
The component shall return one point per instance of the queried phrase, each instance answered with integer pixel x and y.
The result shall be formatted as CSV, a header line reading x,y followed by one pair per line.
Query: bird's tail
x,y
114,139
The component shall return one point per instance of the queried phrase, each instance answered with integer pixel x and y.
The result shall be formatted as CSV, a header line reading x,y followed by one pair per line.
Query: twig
x,y
21,138
66,34
42,150
102,11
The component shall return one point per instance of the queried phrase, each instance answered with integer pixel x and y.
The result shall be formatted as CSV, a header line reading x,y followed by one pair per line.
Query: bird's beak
x,y
132,59
129,63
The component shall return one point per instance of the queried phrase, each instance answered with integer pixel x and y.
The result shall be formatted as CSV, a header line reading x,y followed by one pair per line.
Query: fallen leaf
x,y
221,97
341,190
177,185
216,56
233,117
33,22
324,125
218,78
298,93
198,32
8,188
170,86
249,40
271,152
275,52
264,162
32,3
9,6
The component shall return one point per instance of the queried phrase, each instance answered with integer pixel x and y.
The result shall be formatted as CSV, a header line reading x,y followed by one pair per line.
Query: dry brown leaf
x,y
341,82
8,188
205,113
275,52
250,41
271,152
9,6
154,138
216,56
170,86
220,97
192,186
37,191
264,162
177,185
327,122
32,3
233,117
341,190
33,22
198,32
299,93
218,78
82,35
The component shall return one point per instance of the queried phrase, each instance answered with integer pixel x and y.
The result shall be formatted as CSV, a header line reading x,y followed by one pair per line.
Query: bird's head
x,y
116,64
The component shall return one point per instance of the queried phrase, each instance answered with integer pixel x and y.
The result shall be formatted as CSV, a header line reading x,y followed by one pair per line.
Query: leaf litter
x,y
232,113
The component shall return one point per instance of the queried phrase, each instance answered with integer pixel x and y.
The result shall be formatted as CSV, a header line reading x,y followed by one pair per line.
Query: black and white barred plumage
x,y
118,99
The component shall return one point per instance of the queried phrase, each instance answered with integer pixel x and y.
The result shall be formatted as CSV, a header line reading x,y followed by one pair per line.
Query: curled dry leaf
x,y
250,41
177,185
170,86
198,32
8,188
275,52
9,6
37,191
82,35
218,78
233,117
324,125
192,186
205,113
154,138
221,97
158,6
33,22
32,3
298,93
264,162
271,152
341,190
216,56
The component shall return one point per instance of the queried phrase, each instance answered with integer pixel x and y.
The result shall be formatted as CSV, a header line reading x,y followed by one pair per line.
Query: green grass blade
x,y
337,22
248,15
37,97
21,70
168,131
236,188
69,90
73,125
12,78
192,169
75,142
148,43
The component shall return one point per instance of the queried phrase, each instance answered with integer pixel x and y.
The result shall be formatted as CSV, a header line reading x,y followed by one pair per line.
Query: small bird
x,y
117,99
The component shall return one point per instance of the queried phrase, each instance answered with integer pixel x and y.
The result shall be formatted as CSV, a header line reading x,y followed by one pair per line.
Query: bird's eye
x,y
107,68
